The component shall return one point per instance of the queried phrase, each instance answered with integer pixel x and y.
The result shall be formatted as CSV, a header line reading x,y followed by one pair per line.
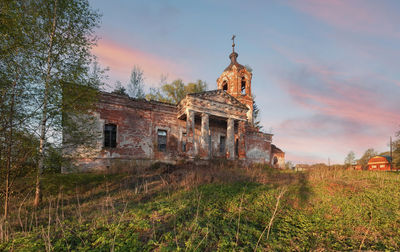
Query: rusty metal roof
x,y
233,56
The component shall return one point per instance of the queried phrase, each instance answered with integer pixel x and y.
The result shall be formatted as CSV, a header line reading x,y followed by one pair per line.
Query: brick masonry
x,y
207,125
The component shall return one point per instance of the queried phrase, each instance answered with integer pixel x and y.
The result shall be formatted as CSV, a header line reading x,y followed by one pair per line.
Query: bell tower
x,y
236,81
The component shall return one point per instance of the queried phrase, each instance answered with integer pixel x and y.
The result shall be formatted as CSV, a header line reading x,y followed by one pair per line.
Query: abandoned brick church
x,y
206,125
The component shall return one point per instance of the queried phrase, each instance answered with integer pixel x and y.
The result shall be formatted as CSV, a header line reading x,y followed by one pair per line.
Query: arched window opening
x,y
243,87
225,86
275,160
110,135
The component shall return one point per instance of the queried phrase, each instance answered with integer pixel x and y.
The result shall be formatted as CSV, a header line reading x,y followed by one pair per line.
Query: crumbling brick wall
x,y
277,157
137,125
258,147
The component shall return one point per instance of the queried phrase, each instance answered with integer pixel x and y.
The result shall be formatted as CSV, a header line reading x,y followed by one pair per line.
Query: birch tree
x,y
64,31
136,83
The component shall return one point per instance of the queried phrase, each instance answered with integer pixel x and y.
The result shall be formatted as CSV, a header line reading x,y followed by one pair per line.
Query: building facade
x,y
380,163
202,126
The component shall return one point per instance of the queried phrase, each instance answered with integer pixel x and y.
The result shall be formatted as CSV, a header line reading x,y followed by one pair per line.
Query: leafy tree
x,y
155,93
368,154
136,83
385,153
396,151
350,158
176,91
195,87
119,89
63,32
248,68
16,47
256,110
256,115
289,165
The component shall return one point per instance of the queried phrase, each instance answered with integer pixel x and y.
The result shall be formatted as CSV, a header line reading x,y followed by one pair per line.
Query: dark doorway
x,y
237,148
222,145
210,147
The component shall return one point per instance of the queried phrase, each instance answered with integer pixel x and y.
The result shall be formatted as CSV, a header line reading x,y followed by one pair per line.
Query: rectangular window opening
x,y
162,140
184,141
110,135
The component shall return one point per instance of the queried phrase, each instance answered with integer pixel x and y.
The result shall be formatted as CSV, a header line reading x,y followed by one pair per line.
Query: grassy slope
x,y
214,208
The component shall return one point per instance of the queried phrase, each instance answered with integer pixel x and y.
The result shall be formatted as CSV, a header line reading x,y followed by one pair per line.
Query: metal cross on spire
x,y
233,43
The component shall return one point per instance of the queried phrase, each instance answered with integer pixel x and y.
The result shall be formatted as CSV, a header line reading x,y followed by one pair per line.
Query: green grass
x,y
320,210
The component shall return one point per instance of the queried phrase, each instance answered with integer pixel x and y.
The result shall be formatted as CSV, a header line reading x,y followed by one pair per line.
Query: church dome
x,y
233,56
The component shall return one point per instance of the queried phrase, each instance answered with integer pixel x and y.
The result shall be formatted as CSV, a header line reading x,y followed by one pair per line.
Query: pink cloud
x,y
306,61
352,120
354,15
121,59
337,93
312,149
354,104
315,139
344,133
303,158
350,113
385,79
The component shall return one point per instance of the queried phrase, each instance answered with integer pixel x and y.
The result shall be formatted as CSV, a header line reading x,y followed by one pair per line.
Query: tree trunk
x,y
44,114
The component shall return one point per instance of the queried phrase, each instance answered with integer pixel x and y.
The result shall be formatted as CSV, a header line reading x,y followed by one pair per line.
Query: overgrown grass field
x,y
221,207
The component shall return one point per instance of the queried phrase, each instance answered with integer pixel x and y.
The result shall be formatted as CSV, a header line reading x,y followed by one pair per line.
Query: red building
x,y
380,163
357,167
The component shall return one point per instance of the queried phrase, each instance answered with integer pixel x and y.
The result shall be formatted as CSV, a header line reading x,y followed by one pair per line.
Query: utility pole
x,y
391,154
